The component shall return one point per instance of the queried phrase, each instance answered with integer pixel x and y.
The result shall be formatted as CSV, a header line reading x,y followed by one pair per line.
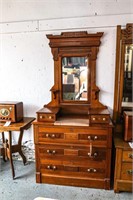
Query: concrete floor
x,y
24,187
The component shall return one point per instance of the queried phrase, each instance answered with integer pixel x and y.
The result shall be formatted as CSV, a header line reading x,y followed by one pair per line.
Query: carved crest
x,y
128,32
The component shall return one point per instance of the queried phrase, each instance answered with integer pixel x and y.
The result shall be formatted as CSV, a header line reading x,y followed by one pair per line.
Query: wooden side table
x,y
7,144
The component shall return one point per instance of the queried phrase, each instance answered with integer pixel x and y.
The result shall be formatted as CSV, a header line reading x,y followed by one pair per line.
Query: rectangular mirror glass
x,y
128,71
75,78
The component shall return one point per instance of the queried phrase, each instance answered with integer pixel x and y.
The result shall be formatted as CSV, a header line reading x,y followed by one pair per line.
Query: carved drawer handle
x,y
93,118
130,155
41,116
130,172
48,167
50,117
104,119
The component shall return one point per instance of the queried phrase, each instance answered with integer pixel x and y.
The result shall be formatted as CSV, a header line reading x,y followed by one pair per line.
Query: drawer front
x,y
46,117
127,171
99,119
72,153
72,135
73,171
127,156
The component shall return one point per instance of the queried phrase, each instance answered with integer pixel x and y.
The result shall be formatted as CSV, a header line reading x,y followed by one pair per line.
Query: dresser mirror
x,y
75,55
128,70
123,99
74,78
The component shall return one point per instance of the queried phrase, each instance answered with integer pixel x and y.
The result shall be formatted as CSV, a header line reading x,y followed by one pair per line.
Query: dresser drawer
x,y
72,135
72,152
127,156
94,119
46,117
127,171
73,171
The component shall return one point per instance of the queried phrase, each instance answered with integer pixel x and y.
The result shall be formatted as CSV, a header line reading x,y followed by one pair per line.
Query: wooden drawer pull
x,y
54,167
51,151
130,155
91,170
130,172
93,155
47,135
50,136
53,135
51,167
92,138
95,137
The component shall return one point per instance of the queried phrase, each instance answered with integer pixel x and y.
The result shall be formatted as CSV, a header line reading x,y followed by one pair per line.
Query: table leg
x,y
3,142
10,153
19,145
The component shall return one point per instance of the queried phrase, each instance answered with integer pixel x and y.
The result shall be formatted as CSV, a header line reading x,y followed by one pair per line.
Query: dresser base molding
x,y
72,181
121,185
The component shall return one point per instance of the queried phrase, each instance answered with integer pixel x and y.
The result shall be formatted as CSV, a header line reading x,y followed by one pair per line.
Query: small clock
x,y
4,112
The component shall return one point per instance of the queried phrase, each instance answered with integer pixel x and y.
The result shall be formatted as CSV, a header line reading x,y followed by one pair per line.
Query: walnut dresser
x,y
77,155
73,133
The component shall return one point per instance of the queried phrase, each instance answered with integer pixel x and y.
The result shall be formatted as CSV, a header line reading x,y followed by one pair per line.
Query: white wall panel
x,y
85,22
18,27
19,10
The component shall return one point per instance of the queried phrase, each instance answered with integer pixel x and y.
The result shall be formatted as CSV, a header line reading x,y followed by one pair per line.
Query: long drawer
x,y
72,135
73,171
80,152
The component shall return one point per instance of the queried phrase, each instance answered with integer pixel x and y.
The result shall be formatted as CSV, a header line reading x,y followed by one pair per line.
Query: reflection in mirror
x,y
128,70
75,78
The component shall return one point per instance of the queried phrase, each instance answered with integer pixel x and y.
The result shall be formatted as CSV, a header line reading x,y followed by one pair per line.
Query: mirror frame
x,y
124,37
72,44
